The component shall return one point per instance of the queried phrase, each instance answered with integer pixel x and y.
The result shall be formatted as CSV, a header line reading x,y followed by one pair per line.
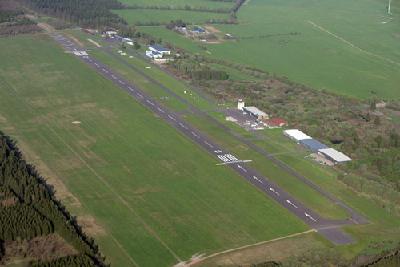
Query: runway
x,y
330,229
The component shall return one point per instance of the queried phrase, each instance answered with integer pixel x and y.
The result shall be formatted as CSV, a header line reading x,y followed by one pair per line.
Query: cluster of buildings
x,y
114,35
261,116
192,31
158,53
315,146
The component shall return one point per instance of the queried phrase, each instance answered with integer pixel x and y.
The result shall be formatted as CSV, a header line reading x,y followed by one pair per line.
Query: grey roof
x,y
312,144
255,111
159,47
334,154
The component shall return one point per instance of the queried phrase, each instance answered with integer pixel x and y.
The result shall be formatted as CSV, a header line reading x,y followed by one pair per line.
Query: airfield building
x,y
334,155
296,135
240,104
312,144
159,49
255,112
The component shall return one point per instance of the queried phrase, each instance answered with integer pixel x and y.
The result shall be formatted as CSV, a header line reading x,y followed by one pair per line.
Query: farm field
x,y
353,49
134,16
149,195
180,3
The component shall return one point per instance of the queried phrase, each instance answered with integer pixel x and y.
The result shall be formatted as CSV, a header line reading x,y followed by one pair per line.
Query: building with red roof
x,y
276,122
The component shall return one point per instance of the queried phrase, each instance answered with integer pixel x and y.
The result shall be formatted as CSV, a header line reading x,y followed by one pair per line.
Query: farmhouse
x,y
296,135
312,144
254,111
334,155
159,49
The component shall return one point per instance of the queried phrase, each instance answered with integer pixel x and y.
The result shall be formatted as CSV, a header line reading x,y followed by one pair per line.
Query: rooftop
x,y
276,121
255,111
334,154
297,134
313,144
158,47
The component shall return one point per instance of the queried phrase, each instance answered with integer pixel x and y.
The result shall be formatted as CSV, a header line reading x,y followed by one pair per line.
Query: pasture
x,y
180,3
149,196
348,47
146,16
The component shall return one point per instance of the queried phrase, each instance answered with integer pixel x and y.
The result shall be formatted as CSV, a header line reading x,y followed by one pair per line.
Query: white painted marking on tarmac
x,y
106,71
96,64
151,103
273,190
231,157
130,88
291,203
182,125
159,109
114,77
217,151
172,118
310,217
208,144
257,179
194,134
240,167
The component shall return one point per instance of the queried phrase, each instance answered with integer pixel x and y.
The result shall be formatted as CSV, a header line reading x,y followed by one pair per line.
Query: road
x,y
330,229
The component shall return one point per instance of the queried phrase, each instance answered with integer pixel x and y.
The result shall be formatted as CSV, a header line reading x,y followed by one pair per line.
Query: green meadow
x,y
384,226
180,3
134,16
347,47
154,196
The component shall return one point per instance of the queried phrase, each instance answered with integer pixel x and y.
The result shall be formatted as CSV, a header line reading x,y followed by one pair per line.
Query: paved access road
x,y
328,228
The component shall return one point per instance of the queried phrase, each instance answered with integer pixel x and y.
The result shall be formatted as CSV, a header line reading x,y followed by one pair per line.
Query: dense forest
x,y
89,13
28,209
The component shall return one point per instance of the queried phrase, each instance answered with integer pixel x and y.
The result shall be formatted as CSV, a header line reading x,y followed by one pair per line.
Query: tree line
x,y
36,211
197,72
88,13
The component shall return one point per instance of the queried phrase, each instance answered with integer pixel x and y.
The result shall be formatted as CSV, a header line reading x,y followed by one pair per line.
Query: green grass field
x,y
347,47
156,195
384,226
180,3
288,182
134,16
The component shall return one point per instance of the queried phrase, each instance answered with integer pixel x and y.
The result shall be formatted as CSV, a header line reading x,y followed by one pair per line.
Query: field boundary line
x,y
187,264
351,44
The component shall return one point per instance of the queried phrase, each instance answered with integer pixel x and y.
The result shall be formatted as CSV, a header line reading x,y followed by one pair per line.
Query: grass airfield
x,y
153,196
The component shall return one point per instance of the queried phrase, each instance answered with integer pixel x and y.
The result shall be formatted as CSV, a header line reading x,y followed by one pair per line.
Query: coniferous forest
x,y
28,209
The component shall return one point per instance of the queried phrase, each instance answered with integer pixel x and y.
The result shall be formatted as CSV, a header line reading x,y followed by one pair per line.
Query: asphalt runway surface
x,y
330,229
